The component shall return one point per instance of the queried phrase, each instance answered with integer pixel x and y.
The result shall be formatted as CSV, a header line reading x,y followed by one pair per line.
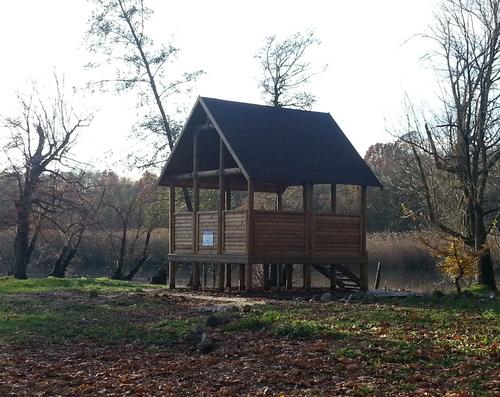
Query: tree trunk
x,y
486,274
141,261
21,242
120,263
58,270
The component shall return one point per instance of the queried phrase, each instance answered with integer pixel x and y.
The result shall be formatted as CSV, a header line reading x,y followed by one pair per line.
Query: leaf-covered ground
x,y
102,337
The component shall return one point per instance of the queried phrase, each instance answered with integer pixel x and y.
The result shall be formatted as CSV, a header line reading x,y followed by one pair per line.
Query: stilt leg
x,y
171,274
265,270
228,275
289,276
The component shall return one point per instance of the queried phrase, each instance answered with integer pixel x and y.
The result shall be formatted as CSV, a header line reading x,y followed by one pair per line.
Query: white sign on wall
x,y
208,238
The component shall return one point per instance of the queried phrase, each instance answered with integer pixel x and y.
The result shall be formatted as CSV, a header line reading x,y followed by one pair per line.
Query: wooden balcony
x,y
276,237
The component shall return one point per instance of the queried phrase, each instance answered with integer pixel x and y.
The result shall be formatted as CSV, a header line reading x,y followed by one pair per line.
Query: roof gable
x,y
279,145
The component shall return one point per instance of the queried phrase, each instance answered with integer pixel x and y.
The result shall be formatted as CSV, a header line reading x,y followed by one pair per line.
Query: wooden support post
x,y
228,207
172,267
333,210
248,276
333,198
279,280
363,268
228,275
248,266
171,235
242,277
205,274
220,214
196,206
274,279
265,277
308,191
307,276
377,276
333,278
289,276
279,200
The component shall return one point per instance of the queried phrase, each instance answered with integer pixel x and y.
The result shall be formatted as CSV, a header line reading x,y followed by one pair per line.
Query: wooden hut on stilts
x,y
232,146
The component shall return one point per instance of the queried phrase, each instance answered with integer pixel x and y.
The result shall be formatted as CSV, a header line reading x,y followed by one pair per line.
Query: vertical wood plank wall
x,y
183,232
276,233
337,235
279,233
235,232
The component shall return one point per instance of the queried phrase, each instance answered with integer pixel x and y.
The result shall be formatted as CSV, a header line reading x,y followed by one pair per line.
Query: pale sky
x,y
363,42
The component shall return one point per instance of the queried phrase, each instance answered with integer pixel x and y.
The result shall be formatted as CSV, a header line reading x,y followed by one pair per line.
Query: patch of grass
x,y
86,322
93,286
281,324
254,321
303,329
477,289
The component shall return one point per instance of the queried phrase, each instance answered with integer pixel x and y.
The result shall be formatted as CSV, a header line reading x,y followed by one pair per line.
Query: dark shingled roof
x,y
288,146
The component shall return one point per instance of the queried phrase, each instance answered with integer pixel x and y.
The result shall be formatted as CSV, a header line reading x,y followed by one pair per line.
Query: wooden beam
x,y
228,198
308,191
228,275
171,219
227,206
333,198
250,236
333,278
172,267
270,258
220,214
289,276
196,207
363,267
265,277
242,276
279,200
276,276
206,174
171,235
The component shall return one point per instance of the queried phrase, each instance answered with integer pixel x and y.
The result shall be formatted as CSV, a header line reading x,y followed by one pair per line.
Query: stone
x,y
206,344
326,297
212,321
227,309
194,336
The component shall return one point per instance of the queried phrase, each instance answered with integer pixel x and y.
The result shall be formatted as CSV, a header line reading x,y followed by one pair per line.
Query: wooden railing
x,y
337,235
275,233
279,233
235,232
299,234
183,232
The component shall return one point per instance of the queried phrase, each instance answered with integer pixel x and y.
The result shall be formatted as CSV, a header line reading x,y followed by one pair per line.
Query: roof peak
x,y
276,108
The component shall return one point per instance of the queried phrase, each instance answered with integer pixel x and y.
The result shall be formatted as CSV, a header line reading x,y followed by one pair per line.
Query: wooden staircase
x,y
344,277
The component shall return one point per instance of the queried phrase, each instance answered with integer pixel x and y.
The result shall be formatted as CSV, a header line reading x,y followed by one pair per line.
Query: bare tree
x,y
286,70
461,143
133,210
74,207
118,30
40,139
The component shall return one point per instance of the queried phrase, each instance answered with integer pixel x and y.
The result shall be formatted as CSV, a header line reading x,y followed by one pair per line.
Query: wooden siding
x,y
279,233
183,233
337,235
235,232
276,234
207,222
